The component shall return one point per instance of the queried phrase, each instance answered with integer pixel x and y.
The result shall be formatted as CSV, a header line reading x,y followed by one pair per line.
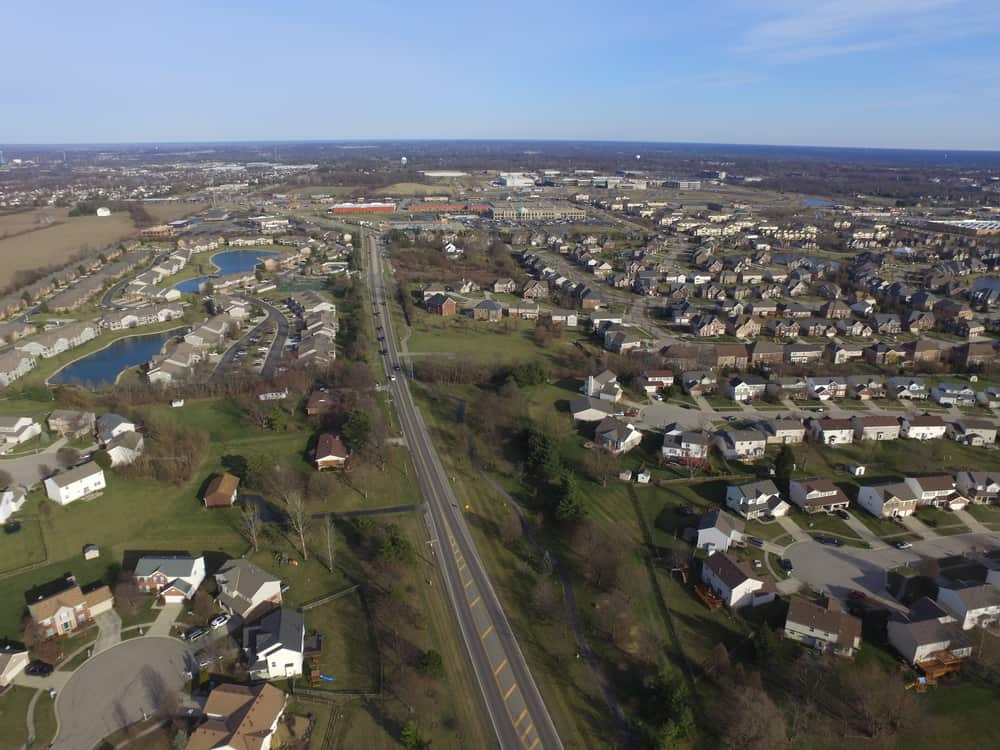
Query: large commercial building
x,y
516,179
363,208
683,184
517,211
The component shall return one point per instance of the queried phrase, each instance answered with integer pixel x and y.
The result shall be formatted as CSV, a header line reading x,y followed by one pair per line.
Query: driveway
x,y
119,687
863,531
914,524
165,619
792,528
974,524
26,470
109,631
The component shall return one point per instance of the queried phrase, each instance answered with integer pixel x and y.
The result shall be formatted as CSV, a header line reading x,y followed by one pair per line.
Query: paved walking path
x,y
165,620
974,524
864,532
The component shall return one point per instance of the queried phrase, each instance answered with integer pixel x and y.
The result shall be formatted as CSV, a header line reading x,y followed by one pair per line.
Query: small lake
x,y
231,261
817,202
102,367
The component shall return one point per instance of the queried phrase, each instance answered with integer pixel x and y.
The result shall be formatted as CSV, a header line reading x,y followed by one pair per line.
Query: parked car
x,y
219,621
11,527
831,540
685,510
787,566
756,541
902,544
857,596
38,668
841,513
195,633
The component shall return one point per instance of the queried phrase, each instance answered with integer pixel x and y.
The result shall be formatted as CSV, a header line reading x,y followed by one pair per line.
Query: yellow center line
x,y
534,744
474,602
498,669
509,691
520,718
487,631
527,731
468,583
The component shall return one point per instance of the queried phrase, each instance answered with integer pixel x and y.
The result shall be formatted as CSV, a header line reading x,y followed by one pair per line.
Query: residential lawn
x,y
350,653
852,405
770,531
824,523
13,709
45,720
987,514
321,714
19,406
143,615
722,404
941,521
883,527
23,548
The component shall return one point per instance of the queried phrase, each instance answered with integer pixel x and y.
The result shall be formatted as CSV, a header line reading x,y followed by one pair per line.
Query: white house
x,y
927,632
938,490
245,588
656,380
826,388
875,427
590,409
684,446
755,499
922,427
603,386
73,484
904,388
125,448
12,500
953,394
17,430
733,582
274,645
968,431
892,500
830,431
617,436
745,388
741,445
784,431
173,577
110,426
822,625
15,364
976,605
717,530
978,486
816,495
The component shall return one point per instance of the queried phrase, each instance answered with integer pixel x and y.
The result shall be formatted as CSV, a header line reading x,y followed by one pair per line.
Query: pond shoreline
x,y
50,384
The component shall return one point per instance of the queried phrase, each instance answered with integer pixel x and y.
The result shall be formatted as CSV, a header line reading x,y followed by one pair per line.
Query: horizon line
x,y
376,140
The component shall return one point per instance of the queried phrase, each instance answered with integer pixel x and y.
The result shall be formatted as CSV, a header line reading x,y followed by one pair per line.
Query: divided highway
x,y
515,706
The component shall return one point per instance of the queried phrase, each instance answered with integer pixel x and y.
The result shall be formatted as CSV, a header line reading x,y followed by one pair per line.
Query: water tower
x,y
403,161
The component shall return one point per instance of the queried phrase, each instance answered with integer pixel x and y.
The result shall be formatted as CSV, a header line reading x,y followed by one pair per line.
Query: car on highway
x,y
219,621
38,668
787,566
392,378
194,634
902,544
396,368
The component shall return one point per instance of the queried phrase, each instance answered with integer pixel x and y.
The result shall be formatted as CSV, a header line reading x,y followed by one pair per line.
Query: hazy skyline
x,y
856,73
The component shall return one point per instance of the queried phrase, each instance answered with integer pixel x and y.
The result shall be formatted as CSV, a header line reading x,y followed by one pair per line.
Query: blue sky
x,y
890,73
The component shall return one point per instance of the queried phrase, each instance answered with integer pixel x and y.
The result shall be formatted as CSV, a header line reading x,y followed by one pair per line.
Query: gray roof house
x,y
274,645
717,530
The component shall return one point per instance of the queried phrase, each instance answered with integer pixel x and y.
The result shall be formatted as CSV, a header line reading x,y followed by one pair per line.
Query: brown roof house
x,y
221,491
62,613
239,717
823,625
331,453
733,582
815,495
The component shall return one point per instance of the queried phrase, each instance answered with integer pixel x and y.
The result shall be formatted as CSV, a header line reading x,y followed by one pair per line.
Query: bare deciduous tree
x,y
250,523
298,518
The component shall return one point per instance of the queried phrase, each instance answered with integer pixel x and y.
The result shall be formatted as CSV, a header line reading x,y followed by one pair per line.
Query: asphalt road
x,y
118,688
274,317
513,702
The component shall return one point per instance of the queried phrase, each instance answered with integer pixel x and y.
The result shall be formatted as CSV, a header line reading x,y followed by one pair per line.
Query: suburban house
x,y
717,530
590,409
741,445
13,660
489,310
973,605
71,424
331,453
686,447
755,499
125,448
905,388
784,431
745,388
875,427
274,645
17,430
817,495
953,394
245,587
922,427
73,484
12,500
617,436
829,431
979,486
172,578
969,431
653,381
110,426
239,717
937,490
441,304
928,637
825,389
698,383
822,625
891,500
604,386
62,613
865,387
733,582
221,491
15,364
